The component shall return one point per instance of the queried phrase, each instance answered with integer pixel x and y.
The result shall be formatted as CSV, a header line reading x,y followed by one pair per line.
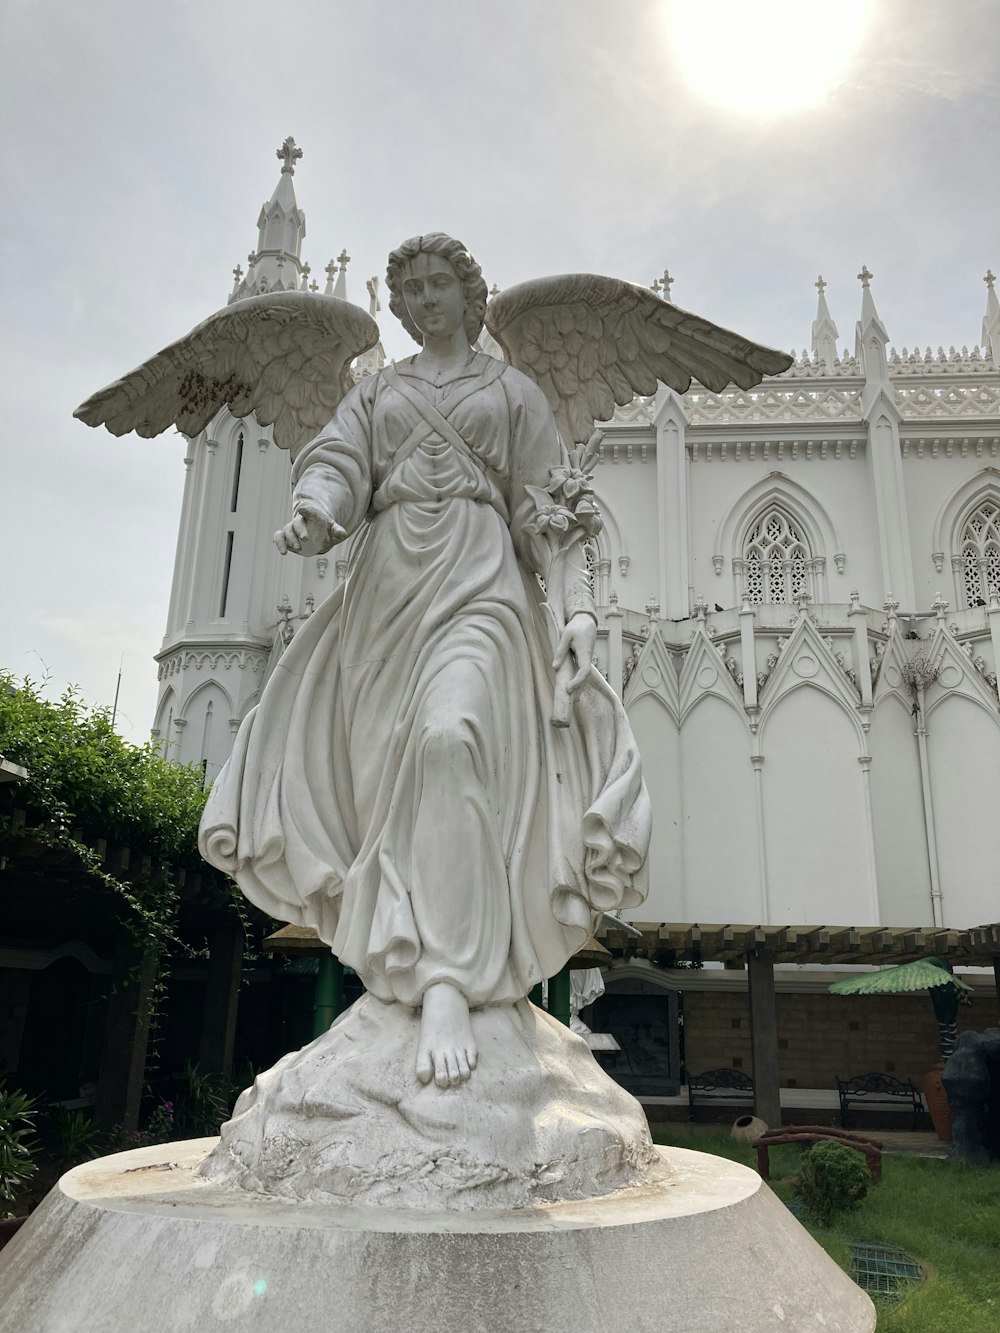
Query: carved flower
x,y
569,483
552,518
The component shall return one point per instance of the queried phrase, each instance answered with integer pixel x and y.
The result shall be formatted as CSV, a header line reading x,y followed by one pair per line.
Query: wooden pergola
x,y
759,948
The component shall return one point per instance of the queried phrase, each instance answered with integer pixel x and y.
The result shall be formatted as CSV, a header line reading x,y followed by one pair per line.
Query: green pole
x,y
329,992
559,995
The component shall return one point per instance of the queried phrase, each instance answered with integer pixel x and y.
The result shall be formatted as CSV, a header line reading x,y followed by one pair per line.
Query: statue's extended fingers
x,y
280,543
562,648
300,527
579,680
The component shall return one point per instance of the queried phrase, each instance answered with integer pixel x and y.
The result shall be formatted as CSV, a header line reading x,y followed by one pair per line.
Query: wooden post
x,y
329,992
218,1027
764,1037
559,988
126,1034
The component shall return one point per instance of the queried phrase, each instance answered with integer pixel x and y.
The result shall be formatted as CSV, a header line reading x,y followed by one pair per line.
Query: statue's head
x,y
445,249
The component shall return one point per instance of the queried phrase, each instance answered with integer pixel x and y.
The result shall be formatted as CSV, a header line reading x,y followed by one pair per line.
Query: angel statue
x,y
436,777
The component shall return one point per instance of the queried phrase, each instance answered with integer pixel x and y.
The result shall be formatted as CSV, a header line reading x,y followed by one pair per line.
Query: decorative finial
x,y
238,273
654,286
939,606
864,277
331,273
288,155
890,606
990,278
855,597
306,270
666,282
494,291
802,601
252,258
343,259
820,285
700,607
653,609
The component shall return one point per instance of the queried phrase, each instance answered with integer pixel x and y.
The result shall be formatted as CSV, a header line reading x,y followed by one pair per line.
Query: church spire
x,y
991,320
276,264
824,331
871,338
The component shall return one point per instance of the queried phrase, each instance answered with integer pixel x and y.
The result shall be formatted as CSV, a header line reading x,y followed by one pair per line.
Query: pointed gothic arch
x,y
777,537
967,534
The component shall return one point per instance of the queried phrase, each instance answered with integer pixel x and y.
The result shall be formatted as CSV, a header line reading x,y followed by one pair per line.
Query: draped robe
x,y
400,787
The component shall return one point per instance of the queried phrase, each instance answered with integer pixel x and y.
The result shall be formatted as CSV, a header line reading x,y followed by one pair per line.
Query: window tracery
x,y
776,562
979,552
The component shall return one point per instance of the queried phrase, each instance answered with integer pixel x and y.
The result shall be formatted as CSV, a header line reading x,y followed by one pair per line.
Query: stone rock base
x,y
345,1120
142,1243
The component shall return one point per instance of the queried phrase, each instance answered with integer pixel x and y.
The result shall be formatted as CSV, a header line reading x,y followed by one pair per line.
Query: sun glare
x,y
765,56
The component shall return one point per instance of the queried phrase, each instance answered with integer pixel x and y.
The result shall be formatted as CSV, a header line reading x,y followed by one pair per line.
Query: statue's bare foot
x,y
447,1049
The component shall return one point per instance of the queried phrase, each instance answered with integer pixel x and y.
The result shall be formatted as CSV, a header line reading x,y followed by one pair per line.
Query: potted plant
x,y
17,1155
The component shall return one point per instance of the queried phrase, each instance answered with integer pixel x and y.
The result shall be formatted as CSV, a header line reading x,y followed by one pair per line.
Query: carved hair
x,y
468,272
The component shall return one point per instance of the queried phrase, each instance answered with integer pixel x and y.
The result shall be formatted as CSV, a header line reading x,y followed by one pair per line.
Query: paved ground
x,y
911,1143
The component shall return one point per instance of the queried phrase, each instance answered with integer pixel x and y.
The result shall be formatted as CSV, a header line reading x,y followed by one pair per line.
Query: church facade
x,y
799,600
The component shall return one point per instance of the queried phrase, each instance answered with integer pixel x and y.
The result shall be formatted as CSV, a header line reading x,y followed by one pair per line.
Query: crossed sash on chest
x,y
433,420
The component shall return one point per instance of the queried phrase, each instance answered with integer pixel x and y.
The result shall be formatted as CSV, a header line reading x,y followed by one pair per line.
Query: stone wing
x,y
591,343
285,356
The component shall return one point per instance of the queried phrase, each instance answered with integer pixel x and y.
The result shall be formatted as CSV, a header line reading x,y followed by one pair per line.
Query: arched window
x,y
979,554
776,560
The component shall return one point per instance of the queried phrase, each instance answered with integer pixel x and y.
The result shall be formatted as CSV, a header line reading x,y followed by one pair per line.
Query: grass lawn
x,y
944,1215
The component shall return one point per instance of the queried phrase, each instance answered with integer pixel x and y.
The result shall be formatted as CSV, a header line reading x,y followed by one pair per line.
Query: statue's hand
x,y
579,638
308,533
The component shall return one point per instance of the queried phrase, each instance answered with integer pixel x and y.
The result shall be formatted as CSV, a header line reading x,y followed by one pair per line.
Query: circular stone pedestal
x,y
139,1242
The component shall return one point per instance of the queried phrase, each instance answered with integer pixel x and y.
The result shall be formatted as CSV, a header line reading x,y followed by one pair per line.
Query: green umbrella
x,y
930,974
923,974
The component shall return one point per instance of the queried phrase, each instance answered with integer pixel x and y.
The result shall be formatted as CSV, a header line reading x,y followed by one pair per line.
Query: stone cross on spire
x,y
340,288
666,282
864,277
289,155
824,331
990,340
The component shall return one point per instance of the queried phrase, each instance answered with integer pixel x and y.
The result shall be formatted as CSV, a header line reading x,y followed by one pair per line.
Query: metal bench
x,y
719,1085
882,1091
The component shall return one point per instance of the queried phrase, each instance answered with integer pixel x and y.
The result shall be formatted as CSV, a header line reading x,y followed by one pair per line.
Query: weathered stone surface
x,y
346,1121
142,1242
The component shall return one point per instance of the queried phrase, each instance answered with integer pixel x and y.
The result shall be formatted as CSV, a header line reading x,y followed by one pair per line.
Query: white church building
x,y
799,600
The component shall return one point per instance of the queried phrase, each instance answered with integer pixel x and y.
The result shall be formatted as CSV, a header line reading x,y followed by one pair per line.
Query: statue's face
x,y
433,296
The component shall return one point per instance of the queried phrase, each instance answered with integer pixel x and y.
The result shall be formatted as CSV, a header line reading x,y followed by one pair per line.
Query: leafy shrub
x,y
17,1148
833,1179
201,1104
71,1137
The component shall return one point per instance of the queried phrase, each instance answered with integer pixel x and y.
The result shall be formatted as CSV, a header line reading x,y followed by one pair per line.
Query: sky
x,y
746,154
